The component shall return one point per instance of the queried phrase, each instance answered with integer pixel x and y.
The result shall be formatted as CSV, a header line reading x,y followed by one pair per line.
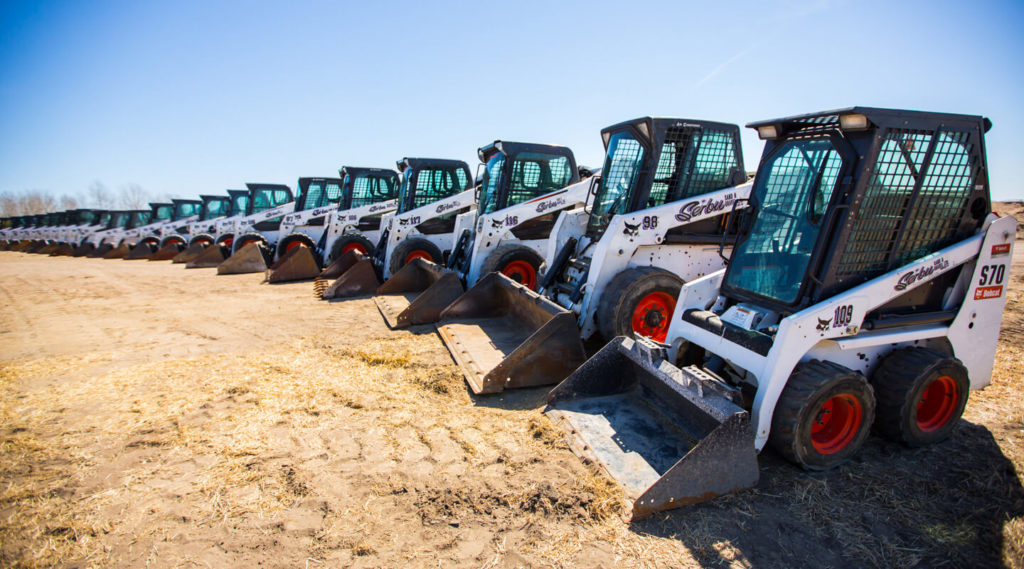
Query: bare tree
x,y
9,204
68,202
133,196
36,201
99,196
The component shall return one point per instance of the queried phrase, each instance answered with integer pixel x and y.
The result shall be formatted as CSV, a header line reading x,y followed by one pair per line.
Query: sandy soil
x,y
162,417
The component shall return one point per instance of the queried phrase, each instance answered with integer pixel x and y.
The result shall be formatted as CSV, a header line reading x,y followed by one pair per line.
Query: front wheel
x,y
638,302
411,249
921,395
823,415
347,243
516,262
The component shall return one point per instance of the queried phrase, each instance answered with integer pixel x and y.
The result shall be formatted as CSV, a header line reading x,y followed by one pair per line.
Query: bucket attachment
x,y
118,253
504,336
249,259
100,251
62,250
341,264
211,257
190,252
140,251
33,247
166,253
296,265
671,437
359,278
417,293
47,249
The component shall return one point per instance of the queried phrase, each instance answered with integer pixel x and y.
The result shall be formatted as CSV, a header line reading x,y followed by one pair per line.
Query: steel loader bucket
x,y
504,336
211,257
83,250
140,251
417,293
190,252
47,249
165,253
341,264
358,278
669,436
296,265
98,252
252,258
33,247
62,250
118,253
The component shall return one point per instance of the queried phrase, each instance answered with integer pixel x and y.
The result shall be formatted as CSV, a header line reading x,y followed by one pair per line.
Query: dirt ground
x,y
162,417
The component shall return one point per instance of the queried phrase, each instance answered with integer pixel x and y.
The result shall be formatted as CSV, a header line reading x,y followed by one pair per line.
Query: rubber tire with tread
x,y
204,238
505,254
615,308
344,241
900,381
282,245
242,239
403,249
811,385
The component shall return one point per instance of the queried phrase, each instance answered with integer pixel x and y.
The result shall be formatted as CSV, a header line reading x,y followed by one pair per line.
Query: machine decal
x,y
497,223
1001,249
380,206
698,208
823,324
445,207
545,206
650,222
987,292
843,316
921,273
631,229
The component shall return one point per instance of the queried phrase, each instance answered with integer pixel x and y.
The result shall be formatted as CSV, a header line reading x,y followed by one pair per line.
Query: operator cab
x,y
214,207
264,197
427,180
185,208
239,202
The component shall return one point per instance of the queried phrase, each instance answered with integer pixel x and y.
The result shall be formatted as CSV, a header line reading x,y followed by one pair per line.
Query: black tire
x,y
225,240
626,294
410,246
176,239
205,238
284,244
152,242
518,263
921,395
246,238
802,404
341,244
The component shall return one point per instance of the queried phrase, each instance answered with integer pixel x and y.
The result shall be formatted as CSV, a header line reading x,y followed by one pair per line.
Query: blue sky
x,y
190,97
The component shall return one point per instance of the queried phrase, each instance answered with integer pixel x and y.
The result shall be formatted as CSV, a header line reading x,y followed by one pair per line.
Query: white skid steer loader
x,y
431,198
164,240
213,240
257,232
659,218
112,242
337,215
212,209
523,190
865,291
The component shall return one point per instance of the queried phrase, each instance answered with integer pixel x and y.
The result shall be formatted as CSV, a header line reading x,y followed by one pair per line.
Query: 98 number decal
x,y
650,222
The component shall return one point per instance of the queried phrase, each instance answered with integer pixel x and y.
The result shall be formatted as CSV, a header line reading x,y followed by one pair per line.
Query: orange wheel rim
x,y
293,245
652,315
837,424
354,247
522,272
418,254
937,404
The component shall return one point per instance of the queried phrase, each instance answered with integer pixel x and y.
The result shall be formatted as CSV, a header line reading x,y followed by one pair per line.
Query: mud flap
x,y
190,252
417,294
118,253
100,251
671,437
296,265
359,279
165,253
139,252
249,259
211,257
504,336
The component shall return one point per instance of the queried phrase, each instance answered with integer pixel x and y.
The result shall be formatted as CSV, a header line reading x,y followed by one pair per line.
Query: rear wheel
x,y
347,243
823,415
410,249
516,262
291,242
921,395
249,238
638,301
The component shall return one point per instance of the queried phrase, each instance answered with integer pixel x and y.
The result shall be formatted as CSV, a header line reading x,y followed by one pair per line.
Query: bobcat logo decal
x,y
823,324
497,223
631,229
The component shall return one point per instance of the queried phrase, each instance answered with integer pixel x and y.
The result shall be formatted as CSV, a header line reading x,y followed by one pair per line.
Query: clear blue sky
x,y
190,97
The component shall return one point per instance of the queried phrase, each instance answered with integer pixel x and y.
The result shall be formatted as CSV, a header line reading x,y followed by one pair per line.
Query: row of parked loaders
x,y
856,283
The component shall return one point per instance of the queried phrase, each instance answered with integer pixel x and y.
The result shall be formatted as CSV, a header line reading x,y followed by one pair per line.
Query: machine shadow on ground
x,y
891,506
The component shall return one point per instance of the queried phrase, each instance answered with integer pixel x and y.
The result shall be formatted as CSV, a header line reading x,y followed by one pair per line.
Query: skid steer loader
x,y
658,219
865,291
163,239
78,224
256,233
346,217
432,195
82,245
109,243
218,237
212,209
